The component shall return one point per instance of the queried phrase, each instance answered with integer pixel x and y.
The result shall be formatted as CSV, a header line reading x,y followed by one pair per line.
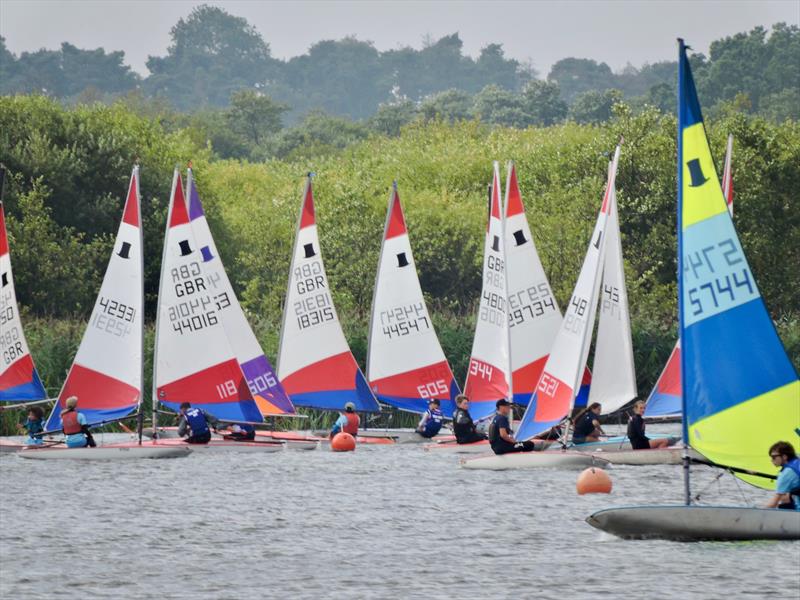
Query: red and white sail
x,y
315,364
264,385
194,361
562,374
19,380
489,374
106,374
614,373
406,366
727,174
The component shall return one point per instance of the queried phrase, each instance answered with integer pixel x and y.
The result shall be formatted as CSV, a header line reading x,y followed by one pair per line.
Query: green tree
x,y
594,106
392,116
576,76
497,106
449,105
254,116
542,102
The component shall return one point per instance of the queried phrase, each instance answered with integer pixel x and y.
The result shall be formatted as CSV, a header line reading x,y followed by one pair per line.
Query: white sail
x,y
262,380
489,374
106,374
315,364
614,375
194,361
562,374
406,366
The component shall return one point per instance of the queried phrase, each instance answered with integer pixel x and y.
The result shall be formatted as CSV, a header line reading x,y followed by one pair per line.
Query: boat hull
x,y
473,448
618,443
697,523
548,459
9,447
654,456
222,446
398,436
128,451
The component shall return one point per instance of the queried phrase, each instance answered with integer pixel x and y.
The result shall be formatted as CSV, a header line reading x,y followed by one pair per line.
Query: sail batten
x,y
406,366
740,391
315,364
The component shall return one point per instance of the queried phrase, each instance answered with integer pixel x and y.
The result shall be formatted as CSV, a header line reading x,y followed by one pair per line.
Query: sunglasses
x,y
774,455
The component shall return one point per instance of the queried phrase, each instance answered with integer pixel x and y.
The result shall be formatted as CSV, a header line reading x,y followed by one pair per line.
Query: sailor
x,y
431,422
74,425
787,487
639,441
501,436
348,421
240,432
587,427
463,425
34,426
196,421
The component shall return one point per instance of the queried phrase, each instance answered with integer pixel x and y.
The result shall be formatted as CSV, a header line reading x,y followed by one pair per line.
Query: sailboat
x,y
406,366
560,379
737,402
665,398
194,360
315,364
106,374
489,373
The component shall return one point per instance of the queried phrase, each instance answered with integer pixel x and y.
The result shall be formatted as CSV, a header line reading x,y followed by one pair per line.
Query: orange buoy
x,y
343,442
593,481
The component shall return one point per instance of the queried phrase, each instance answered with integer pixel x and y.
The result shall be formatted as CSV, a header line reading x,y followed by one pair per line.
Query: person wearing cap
x,y
501,436
431,422
74,425
463,425
348,421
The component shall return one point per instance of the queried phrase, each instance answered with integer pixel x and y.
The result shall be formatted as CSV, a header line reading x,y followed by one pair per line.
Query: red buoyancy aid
x,y
69,419
352,424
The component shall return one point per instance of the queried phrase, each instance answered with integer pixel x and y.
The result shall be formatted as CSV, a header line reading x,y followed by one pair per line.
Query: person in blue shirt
x,y
431,422
75,426
787,487
196,421
501,436
348,421
34,426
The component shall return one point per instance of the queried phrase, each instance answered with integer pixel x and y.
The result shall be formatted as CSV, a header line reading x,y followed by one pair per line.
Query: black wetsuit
x,y
639,441
464,427
583,426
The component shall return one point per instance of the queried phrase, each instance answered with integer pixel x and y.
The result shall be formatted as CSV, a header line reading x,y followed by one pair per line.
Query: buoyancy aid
x,y
69,421
794,465
353,421
196,421
463,426
434,422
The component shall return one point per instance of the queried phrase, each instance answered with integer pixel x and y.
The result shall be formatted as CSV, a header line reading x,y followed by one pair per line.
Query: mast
x,y
505,280
687,498
139,409
175,176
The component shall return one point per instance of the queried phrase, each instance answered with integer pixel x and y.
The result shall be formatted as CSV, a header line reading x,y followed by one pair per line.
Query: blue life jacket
x,y
434,422
794,465
196,420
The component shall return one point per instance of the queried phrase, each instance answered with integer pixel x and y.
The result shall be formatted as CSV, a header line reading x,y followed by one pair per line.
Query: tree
x,y
392,116
542,103
575,76
317,135
497,106
450,105
594,106
212,55
254,116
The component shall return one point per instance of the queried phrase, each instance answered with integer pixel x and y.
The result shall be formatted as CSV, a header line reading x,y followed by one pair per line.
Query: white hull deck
x,y
697,523
547,459
654,456
123,451
398,436
473,448
219,446
620,442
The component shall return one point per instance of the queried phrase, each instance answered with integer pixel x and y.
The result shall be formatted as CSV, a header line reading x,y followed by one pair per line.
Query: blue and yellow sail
x,y
740,391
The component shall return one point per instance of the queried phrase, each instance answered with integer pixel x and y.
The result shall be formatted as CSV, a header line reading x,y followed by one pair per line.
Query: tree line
x,y
213,56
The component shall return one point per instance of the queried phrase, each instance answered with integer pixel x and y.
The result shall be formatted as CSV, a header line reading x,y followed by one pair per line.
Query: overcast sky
x,y
543,32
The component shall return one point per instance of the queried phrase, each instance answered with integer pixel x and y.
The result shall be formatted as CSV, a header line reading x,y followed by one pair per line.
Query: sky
x,y
542,32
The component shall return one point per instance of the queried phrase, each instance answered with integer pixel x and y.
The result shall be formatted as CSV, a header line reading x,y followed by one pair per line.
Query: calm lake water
x,y
382,522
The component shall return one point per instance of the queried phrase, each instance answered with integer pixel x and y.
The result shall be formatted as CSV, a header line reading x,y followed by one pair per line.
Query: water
x,y
382,522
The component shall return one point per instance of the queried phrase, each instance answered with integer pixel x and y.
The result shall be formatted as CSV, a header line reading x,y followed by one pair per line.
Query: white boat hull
x,y
618,443
129,451
473,448
398,436
696,523
548,459
220,446
654,456
9,447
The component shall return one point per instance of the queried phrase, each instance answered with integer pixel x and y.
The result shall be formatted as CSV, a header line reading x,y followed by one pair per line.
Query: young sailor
x,y
34,425
463,425
587,427
787,487
75,427
639,441
431,422
501,436
196,421
347,422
